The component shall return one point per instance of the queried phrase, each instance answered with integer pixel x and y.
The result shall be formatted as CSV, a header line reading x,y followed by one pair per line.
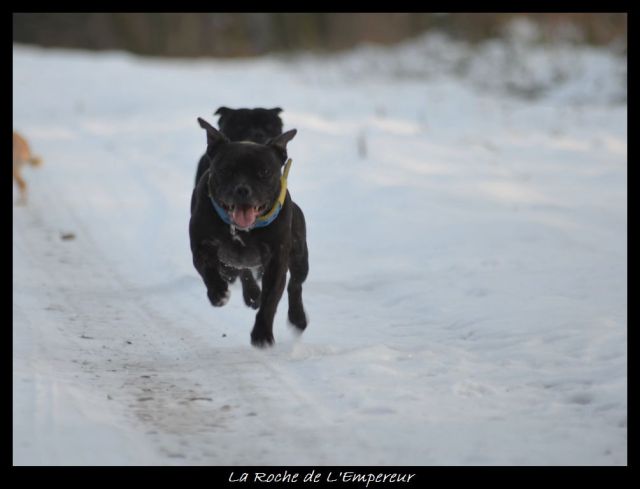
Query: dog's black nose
x,y
243,191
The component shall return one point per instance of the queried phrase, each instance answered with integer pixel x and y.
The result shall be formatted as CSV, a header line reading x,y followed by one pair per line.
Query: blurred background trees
x,y
252,34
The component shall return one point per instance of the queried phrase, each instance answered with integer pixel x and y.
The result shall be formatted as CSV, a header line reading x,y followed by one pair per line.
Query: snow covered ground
x,y
467,225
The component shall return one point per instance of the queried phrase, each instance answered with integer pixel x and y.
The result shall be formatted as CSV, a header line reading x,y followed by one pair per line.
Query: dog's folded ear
x,y
276,110
222,111
214,137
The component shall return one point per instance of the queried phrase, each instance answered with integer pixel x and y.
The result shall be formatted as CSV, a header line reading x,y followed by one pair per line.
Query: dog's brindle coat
x,y
221,253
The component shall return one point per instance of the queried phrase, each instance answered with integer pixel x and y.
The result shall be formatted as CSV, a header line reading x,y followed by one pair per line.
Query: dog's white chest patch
x,y
239,255
236,237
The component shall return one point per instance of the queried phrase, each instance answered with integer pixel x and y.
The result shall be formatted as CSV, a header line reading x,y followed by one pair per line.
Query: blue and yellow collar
x,y
270,216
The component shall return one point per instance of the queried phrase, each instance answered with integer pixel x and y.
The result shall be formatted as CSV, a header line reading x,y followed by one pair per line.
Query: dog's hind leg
x,y
250,289
298,269
22,185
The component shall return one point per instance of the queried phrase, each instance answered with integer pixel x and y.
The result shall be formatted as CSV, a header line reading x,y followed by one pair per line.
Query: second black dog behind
x,y
256,125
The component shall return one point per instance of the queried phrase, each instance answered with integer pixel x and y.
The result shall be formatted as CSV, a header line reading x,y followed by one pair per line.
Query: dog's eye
x,y
264,173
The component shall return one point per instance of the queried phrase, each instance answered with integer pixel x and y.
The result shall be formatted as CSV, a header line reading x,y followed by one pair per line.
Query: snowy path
x,y
467,293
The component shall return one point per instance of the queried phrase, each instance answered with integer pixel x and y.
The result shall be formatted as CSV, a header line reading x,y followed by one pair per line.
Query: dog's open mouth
x,y
244,216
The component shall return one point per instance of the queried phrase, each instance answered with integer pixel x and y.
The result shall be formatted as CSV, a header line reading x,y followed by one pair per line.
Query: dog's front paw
x,y
218,298
262,339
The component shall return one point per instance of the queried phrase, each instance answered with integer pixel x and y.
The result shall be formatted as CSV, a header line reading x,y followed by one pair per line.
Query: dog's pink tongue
x,y
244,216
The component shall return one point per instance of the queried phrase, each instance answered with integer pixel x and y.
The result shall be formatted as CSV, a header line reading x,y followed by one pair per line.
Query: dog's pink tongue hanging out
x,y
244,216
